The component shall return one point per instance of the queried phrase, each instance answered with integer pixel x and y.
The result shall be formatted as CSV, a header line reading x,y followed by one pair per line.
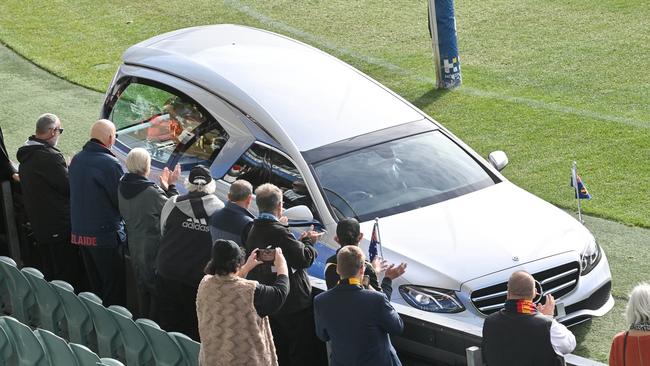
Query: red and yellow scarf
x,y
520,306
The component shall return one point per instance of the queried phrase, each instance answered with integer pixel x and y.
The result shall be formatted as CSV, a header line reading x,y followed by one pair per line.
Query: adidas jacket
x,y
186,243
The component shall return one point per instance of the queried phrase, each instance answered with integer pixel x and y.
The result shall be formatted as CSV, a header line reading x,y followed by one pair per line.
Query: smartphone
x,y
266,255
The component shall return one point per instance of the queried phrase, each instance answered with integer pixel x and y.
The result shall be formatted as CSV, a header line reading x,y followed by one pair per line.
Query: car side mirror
x,y
299,213
498,159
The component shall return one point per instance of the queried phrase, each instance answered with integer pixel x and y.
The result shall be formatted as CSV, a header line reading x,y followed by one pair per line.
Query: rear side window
x,y
260,165
167,123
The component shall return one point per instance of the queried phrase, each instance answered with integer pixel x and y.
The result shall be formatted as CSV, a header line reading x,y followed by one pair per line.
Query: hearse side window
x,y
261,165
166,123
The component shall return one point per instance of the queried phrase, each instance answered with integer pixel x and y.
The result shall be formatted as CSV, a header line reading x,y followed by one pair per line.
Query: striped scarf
x,y
645,326
520,307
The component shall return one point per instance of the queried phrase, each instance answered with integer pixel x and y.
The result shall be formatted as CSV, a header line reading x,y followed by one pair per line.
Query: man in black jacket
x,y
184,251
7,173
7,169
46,189
293,325
348,232
234,221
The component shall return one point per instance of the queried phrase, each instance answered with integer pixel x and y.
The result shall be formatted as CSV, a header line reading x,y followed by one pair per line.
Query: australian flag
x,y
373,248
581,192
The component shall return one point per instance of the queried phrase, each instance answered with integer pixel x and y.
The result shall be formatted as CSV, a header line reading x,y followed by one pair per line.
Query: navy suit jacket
x,y
357,323
232,222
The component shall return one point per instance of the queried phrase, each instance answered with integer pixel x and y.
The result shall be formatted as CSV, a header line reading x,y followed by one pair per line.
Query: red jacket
x,y
637,350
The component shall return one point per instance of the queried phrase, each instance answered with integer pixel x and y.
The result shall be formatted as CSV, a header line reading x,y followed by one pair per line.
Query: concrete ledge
x,y
581,361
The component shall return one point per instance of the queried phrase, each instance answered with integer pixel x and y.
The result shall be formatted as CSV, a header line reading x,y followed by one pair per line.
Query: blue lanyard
x,y
267,216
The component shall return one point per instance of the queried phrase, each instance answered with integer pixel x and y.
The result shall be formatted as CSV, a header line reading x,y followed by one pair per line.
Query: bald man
x,y
97,226
523,333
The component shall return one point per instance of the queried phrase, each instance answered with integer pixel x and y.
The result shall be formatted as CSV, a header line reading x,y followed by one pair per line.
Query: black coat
x,y
299,256
46,189
518,339
185,247
6,168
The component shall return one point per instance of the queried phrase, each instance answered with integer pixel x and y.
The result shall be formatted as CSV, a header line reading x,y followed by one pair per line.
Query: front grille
x,y
557,281
593,302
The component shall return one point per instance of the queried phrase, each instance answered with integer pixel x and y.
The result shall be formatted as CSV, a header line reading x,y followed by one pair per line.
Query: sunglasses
x,y
58,129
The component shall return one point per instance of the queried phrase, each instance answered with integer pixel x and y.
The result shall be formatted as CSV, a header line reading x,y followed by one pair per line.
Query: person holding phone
x,y
233,311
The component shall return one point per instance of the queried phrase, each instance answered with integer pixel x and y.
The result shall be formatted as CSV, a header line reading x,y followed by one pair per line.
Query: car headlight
x,y
431,299
589,257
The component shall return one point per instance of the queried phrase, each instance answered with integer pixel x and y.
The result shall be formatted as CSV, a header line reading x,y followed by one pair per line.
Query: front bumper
x,y
443,338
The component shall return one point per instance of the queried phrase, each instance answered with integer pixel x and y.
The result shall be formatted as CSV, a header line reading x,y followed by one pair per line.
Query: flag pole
x,y
381,249
574,178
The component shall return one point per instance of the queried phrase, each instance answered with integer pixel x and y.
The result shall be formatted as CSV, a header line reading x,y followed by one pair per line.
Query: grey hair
x,y
209,188
240,190
45,123
138,162
267,197
638,307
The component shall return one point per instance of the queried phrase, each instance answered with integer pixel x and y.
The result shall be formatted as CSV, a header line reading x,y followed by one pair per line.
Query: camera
x,y
266,255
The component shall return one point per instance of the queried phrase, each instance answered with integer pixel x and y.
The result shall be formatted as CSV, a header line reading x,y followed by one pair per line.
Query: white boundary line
x,y
323,43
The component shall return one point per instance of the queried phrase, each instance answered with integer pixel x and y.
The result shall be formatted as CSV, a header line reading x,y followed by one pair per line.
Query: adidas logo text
x,y
196,224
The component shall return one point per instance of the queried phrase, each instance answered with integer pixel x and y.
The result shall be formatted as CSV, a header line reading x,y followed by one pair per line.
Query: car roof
x,y
292,90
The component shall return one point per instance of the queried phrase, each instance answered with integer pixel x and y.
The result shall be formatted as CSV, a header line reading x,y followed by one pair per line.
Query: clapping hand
x,y
168,177
284,220
379,264
176,174
311,234
394,271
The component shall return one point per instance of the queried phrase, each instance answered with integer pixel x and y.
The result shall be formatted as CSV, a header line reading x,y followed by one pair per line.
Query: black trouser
x,y
176,307
105,270
62,261
294,336
147,302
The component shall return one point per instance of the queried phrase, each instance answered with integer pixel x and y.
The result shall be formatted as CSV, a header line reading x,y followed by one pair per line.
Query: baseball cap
x,y
200,175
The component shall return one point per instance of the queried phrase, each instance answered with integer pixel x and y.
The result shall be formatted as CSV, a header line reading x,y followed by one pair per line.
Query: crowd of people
x,y
237,282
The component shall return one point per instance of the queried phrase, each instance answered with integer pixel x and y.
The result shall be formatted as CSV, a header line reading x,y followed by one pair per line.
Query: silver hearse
x,y
256,105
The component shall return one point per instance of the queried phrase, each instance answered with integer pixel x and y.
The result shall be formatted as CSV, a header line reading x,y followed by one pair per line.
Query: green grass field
x,y
547,82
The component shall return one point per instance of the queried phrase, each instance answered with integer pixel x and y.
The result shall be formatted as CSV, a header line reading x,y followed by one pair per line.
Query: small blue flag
x,y
373,248
581,192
